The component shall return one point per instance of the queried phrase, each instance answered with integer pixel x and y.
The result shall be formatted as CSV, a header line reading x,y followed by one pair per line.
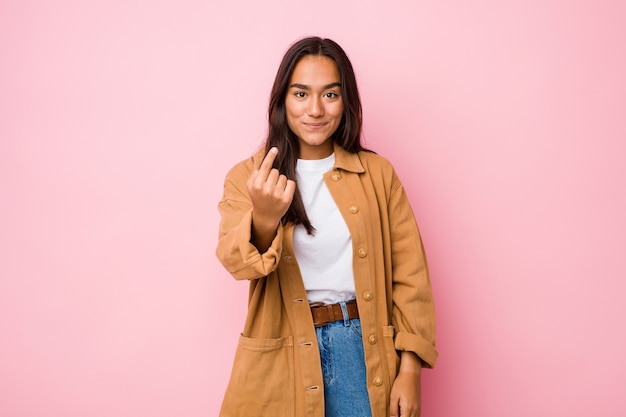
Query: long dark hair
x,y
348,133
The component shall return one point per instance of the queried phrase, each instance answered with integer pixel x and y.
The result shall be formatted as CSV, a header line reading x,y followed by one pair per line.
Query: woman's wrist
x,y
262,233
410,362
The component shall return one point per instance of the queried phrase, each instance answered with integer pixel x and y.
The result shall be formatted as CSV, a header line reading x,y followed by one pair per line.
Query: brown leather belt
x,y
324,314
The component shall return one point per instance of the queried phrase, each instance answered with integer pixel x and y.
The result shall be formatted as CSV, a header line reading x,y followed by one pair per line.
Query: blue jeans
x,y
343,368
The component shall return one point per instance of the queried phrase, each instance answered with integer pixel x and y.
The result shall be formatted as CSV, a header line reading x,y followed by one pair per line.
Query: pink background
x,y
119,119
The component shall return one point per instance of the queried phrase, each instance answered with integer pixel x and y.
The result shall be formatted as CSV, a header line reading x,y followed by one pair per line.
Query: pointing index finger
x,y
268,161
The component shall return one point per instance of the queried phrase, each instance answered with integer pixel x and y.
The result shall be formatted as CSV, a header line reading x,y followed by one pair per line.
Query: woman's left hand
x,y
406,398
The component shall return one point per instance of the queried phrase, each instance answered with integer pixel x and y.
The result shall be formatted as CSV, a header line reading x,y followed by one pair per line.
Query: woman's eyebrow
x,y
306,87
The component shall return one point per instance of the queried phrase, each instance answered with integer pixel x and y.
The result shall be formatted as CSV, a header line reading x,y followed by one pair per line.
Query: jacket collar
x,y
347,161
343,159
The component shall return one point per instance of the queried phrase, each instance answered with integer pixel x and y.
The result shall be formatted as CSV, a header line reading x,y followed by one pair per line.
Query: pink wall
x,y
119,119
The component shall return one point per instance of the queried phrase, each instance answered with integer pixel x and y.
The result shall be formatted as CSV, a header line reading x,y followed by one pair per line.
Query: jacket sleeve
x,y
413,310
234,250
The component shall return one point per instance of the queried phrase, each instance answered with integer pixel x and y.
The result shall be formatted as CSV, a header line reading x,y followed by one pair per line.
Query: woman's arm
x,y
413,309
413,313
250,233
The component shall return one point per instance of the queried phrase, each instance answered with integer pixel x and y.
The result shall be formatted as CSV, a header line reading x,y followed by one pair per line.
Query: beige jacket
x,y
277,368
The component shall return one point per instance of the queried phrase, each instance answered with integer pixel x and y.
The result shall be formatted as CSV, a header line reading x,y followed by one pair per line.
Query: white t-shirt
x,y
324,258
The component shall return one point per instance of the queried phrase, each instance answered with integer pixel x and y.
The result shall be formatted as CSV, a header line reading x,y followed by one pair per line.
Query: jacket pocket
x,y
262,379
393,359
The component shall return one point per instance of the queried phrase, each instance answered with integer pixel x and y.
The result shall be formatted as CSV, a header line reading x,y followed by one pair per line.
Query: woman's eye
x,y
300,94
332,95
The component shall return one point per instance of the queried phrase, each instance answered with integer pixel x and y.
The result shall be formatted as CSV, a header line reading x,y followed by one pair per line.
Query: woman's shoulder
x,y
375,162
379,170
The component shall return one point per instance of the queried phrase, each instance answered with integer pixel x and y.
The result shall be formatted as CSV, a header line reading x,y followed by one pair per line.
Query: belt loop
x,y
346,316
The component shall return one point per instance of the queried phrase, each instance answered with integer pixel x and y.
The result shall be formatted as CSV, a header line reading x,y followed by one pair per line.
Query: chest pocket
x,y
262,380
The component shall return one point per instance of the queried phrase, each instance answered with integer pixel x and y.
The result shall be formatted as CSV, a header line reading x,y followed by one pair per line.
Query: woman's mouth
x,y
315,125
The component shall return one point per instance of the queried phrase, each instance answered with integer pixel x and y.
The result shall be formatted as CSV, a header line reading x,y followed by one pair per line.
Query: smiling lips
x,y
315,126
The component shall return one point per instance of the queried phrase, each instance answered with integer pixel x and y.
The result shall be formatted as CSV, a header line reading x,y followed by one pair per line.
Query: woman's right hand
x,y
271,194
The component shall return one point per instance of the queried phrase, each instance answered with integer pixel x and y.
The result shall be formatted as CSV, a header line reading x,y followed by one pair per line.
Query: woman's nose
x,y
316,107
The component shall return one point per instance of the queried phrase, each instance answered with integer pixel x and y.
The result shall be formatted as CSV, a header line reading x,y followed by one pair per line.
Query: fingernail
x,y
274,150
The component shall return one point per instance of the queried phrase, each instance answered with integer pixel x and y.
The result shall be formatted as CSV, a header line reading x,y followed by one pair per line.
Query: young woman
x,y
340,315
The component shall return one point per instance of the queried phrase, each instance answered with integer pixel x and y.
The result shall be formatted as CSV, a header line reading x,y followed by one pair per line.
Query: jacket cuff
x,y
420,346
253,263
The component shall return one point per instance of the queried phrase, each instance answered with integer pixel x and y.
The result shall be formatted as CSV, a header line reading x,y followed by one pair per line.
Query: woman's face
x,y
314,105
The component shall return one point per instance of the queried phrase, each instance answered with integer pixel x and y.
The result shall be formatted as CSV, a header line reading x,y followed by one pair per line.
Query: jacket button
x,y
378,381
336,176
367,296
372,339
354,209
362,253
